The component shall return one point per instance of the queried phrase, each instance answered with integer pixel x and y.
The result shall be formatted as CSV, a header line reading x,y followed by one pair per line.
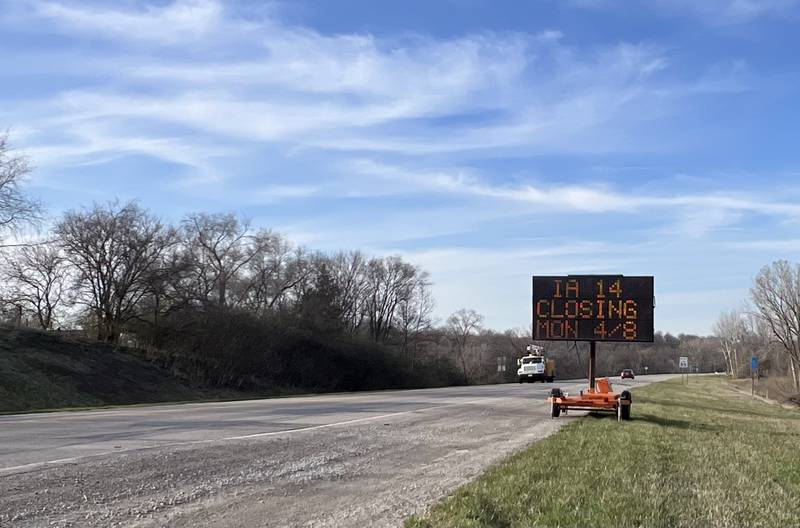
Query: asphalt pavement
x,y
240,463
27,440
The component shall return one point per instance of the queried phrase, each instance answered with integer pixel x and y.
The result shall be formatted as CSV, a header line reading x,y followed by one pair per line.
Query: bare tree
x,y
113,249
518,338
349,270
415,316
730,329
390,282
275,269
219,247
16,209
163,286
36,278
462,326
776,295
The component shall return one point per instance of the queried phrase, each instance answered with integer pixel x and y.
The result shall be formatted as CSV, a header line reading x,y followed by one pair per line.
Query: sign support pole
x,y
683,364
592,371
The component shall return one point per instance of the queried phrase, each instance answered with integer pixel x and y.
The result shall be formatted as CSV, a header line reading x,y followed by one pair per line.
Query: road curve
x,y
332,460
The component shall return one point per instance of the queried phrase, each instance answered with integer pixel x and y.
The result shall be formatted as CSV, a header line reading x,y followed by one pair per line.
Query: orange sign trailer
x,y
593,308
601,398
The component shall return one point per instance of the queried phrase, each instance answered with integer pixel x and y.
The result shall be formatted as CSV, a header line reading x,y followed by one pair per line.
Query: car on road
x,y
626,373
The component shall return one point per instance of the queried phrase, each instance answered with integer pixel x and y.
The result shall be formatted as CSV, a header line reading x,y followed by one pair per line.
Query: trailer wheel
x,y
555,410
550,379
520,380
624,411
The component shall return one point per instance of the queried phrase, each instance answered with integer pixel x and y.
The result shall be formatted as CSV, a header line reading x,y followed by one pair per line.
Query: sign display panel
x,y
593,308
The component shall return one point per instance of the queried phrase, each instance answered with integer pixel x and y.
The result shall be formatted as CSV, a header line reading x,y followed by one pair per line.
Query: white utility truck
x,y
534,366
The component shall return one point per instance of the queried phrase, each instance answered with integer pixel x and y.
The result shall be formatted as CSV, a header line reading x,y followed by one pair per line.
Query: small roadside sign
x,y
753,373
683,363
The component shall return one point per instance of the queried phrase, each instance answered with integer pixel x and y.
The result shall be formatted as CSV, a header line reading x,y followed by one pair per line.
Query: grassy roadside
x,y
702,455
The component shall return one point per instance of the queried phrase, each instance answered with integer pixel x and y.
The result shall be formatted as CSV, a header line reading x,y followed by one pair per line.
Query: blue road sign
x,y
754,364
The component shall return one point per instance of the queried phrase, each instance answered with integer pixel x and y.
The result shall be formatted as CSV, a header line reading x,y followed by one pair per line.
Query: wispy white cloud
x,y
381,229
95,143
712,12
263,80
560,257
704,211
785,245
721,12
173,23
277,193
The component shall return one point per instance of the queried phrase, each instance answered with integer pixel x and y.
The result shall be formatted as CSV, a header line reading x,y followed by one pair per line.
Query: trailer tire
x,y
625,410
555,410
520,380
550,379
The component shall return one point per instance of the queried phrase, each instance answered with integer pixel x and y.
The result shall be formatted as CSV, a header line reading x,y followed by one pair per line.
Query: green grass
x,y
702,455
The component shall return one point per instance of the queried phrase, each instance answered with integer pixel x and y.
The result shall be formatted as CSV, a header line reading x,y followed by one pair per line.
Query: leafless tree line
x,y
768,327
120,263
117,270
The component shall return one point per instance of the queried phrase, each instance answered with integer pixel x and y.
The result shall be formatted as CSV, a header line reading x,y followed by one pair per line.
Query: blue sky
x,y
483,140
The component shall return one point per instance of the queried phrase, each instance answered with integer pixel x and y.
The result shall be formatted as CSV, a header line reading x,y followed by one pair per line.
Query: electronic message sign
x,y
593,308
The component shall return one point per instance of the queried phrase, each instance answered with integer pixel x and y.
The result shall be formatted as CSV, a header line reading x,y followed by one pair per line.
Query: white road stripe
x,y
36,465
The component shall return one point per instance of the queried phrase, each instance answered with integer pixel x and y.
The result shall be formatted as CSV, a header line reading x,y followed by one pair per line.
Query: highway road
x,y
356,459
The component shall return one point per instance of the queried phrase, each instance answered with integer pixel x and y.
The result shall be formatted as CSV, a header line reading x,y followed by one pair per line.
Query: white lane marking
x,y
36,465
139,409
126,412
356,420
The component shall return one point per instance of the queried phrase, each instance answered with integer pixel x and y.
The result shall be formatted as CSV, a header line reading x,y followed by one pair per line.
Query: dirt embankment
x,y
47,370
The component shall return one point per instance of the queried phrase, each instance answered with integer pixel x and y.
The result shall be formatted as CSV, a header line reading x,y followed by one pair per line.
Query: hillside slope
x,y
41,370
